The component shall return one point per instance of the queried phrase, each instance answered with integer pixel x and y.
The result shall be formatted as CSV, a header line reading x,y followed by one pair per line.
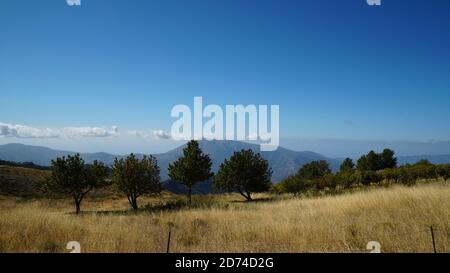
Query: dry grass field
x,y
397,217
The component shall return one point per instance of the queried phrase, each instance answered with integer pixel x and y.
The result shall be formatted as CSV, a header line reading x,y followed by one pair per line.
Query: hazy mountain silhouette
x,y
283,162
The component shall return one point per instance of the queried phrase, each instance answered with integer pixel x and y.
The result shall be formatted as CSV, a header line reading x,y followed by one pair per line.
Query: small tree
x,y
375,162
388,161
357,177
191,168
136,177
71,176
314,170
390,175
407,176
444,171
291,184
245,172
326,181
347,165
369,177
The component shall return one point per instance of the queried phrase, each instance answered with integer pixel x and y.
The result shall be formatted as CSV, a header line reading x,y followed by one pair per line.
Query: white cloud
x,y
90,131
160,134
6,130
23,131
155,134
139,134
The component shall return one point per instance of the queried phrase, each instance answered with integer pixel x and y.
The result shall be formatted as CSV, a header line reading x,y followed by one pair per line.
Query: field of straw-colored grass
x,y
397,217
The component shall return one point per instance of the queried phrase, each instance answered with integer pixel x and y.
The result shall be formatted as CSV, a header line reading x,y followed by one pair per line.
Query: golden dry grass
x,y
397,217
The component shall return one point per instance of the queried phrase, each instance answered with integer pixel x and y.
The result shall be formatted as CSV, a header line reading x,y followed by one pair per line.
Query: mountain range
x,y
283,161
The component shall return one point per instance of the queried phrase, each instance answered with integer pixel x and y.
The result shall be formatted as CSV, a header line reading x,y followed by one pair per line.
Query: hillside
x,y
398,218
21,181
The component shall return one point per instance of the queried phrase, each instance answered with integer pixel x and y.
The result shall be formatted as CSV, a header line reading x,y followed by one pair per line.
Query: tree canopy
x,y
73,177
135,177
193,167
244,172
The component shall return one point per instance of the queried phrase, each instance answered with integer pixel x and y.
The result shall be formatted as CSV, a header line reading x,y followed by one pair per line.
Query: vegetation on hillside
x,y
21,181
371,169
29,165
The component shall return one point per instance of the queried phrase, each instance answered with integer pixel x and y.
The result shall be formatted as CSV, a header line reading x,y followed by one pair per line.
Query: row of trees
x,y
370,169
244,172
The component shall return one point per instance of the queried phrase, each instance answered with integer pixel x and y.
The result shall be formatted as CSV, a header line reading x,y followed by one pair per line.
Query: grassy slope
x,y
397,217
20,181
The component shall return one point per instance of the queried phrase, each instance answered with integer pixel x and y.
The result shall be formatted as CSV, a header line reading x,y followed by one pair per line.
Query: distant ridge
x,y
283,161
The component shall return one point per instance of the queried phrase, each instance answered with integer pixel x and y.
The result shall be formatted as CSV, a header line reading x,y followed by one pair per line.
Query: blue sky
x,y
340,70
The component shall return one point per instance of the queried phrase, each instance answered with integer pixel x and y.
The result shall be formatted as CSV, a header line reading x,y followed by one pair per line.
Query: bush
x,y
443,171
291,184
345,179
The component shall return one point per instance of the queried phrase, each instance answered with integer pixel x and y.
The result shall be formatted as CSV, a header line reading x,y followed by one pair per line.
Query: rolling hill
x,y
21,181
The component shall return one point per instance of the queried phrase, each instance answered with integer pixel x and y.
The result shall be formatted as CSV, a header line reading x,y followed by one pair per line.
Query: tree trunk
x,y
133,202
249,197
135,205
190,196
77,205
246,195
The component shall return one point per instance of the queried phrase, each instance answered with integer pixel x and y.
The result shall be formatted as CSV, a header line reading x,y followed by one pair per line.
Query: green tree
x,y
191,168
362,164
375,162
388,160
326,181
245,172
390,175
422,162
73,177
135,177
407,176
370,177
443,171
292,184
357,177
345,179
314,169
347,165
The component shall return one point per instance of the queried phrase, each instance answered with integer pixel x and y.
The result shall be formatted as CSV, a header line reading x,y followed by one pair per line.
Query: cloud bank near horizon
x,y
21,131
24,131
111,139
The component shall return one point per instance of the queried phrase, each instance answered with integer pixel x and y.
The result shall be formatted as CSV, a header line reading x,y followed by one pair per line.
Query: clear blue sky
x,y
338,69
